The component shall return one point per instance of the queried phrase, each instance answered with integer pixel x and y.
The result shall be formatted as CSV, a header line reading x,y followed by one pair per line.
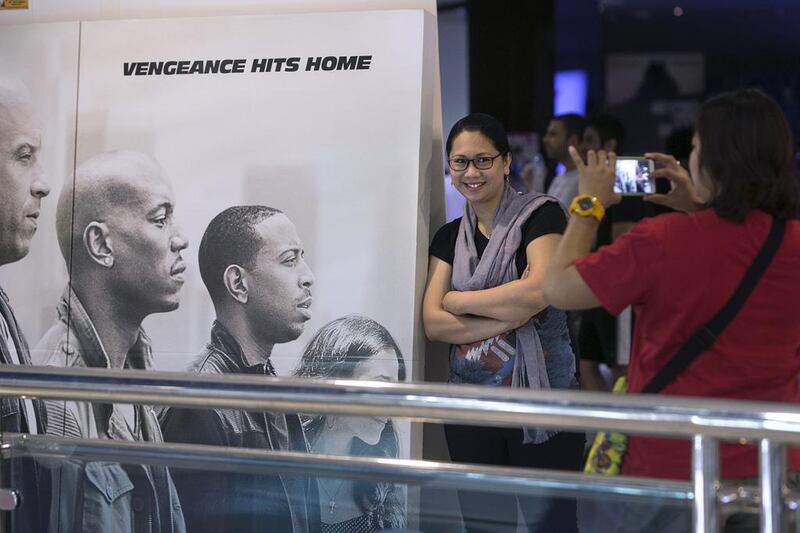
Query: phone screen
x,y
633,175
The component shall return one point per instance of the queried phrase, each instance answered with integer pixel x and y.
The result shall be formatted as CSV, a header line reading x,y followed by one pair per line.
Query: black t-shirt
x,y
549,218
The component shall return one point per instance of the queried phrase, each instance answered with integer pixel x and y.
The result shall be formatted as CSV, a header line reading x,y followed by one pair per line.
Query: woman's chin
x,y
370,438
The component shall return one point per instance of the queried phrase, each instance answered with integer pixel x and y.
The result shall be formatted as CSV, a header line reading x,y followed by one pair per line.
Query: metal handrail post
x,y
772,463
705,481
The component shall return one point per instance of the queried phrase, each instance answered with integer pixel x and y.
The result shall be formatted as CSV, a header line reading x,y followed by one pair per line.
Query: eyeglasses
x,y
481,163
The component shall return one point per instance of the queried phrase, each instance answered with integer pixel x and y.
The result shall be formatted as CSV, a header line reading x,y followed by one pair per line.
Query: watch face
x,y
585,204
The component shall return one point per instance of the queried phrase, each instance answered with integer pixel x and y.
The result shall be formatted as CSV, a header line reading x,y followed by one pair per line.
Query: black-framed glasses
x,y
483,162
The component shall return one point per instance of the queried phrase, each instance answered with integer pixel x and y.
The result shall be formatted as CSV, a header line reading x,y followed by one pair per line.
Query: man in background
x,y
602,132
562,132
598,334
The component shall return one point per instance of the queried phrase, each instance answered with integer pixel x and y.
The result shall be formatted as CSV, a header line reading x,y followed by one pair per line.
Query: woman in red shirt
x,y
678,270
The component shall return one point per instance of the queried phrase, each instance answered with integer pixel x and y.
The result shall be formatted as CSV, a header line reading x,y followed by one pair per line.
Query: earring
x,y
108,261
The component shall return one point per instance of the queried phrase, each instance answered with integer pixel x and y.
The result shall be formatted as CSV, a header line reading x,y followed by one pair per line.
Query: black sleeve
x,y
549,218
443,245
207,497
192,426
630,209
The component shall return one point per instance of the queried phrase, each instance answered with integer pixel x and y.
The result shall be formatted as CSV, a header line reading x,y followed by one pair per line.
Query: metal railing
x,y
705,422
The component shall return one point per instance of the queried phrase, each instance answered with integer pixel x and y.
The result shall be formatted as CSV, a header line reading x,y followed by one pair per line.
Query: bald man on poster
x,y
118,236
23,188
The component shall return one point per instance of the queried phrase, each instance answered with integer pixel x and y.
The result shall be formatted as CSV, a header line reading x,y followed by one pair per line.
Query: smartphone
x,y
634,176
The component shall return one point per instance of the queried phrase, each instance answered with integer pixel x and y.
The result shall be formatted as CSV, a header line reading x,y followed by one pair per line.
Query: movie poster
x,y
290,149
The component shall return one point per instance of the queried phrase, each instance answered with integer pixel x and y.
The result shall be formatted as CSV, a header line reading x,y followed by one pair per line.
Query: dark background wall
x,y
515,47
511,55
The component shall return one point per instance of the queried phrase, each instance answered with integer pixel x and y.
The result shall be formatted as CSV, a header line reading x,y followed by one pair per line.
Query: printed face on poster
x,y
317,116
42,60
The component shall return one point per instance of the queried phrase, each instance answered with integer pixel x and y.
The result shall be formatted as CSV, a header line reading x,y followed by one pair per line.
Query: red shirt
x,y
677,271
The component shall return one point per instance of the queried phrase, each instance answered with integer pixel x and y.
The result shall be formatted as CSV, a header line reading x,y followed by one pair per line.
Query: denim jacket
x,y
241,502
103,497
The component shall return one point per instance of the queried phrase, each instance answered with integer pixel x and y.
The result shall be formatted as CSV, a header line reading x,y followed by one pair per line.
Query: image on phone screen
x,y
633,176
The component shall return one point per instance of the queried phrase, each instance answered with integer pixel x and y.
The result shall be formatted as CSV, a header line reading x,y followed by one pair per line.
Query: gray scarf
x,y
496,267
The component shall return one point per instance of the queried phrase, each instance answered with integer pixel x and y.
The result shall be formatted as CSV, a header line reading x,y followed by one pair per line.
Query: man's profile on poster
x,y
252,263
23,188
117,232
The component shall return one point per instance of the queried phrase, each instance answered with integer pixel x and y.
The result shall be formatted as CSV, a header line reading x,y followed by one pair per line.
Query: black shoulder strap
x,y
705,337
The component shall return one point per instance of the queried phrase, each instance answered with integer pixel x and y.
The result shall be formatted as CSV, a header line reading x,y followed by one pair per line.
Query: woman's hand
x,y
454,301
451,302
682,195
597,175
465,327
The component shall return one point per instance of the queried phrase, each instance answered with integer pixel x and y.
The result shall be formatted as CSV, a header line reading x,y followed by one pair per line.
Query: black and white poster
x,y
256,182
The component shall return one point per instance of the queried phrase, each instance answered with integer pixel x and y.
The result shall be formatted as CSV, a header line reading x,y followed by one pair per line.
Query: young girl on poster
x,y
355,347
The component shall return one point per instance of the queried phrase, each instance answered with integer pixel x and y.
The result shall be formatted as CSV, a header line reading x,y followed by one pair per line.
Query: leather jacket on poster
x,y
224,501
103,497
11,418
25,475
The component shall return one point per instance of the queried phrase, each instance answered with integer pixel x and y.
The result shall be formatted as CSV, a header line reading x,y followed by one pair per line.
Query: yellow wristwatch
x,y
587,206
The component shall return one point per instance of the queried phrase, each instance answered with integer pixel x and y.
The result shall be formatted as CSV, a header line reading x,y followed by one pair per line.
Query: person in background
x,y
562,132
597,329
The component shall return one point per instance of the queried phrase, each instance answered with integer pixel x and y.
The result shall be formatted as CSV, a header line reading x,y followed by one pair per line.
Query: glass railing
x,y
230,489
424,489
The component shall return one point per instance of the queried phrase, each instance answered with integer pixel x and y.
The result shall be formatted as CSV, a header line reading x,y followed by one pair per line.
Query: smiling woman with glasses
x,y
484,297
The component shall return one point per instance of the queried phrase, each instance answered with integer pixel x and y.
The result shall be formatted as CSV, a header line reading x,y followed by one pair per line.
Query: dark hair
x,y
574,124
679,143
335,351
230,239
608,127
341,345
747,151
486,125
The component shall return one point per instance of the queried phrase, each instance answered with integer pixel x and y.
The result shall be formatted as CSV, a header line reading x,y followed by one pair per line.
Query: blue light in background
x,y
569,87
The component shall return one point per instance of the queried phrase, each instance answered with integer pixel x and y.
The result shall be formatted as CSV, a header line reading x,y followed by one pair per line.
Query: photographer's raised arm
x,y
564,287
